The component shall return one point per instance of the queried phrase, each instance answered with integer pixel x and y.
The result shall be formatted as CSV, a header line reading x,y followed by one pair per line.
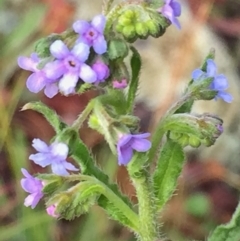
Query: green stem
x,y
84,115
159,132
148,227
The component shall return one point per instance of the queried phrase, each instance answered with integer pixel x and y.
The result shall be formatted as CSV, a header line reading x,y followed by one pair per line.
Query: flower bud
x,y
175,135
129,32
153,28
194,141
183,140
141,29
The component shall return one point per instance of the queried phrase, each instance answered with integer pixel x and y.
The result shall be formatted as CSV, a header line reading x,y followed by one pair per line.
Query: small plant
x,y
99,55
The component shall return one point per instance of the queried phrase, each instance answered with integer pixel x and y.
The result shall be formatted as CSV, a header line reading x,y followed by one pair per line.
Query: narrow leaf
x,y
168,169
49,114
136,67
115,213
117,49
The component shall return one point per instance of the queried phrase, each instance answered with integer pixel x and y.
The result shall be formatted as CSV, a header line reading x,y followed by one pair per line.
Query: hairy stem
x,y
148,227
83,116
159,132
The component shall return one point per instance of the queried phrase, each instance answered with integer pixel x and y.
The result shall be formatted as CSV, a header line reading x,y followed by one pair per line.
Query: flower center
x,y
91,34
72,63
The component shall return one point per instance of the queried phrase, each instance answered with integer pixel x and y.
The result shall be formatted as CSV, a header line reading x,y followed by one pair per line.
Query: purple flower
x,y
37,80
127,143
51,211
219,83
170,10
92,33
54,155
119,84
69,66
101,70
33,186
220,128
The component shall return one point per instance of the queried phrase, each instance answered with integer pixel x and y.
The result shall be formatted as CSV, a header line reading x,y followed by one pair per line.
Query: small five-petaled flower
x,y
219,83
129,142
54,155
171,10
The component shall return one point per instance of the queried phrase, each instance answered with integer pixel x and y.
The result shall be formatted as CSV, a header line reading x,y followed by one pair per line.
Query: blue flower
x,y
128,142
33,186
219,83
54,155
69,66
170,10
38,79
92,33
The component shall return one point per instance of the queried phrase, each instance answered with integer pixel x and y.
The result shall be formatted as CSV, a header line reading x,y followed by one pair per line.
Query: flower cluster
x,y
170,10
219,83
54,155
69,64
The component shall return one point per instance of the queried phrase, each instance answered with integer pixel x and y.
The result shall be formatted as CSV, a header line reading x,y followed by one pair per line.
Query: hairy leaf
x,y
49,114
136,64
168,169
229,231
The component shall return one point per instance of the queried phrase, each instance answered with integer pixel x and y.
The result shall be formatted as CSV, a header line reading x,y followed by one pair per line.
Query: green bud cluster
x,y
134,24
185,140
190,130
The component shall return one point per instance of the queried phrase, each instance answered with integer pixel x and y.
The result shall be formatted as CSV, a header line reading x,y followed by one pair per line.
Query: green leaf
x,y
186,107
211,55
136,64
42,46
117,49
168,169
49,114
116,99
115,213
229,231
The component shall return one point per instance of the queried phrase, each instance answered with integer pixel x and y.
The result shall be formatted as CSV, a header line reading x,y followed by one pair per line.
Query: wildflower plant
x,y
99,54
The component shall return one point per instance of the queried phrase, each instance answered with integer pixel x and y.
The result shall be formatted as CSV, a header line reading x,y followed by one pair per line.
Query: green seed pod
x,y
183,140
194,141
141,29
